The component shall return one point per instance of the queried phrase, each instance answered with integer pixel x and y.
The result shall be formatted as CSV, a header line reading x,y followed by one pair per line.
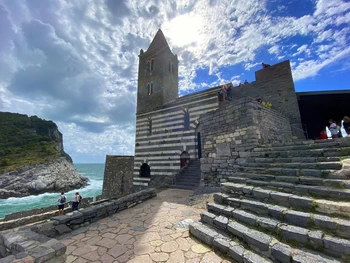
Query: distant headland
x,y
32,159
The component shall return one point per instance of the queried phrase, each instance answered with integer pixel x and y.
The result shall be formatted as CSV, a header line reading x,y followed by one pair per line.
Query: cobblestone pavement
x,y
154,231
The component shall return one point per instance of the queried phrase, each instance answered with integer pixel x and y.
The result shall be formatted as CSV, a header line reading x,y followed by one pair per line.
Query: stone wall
x,y
234,129
37,243
118,176
275,84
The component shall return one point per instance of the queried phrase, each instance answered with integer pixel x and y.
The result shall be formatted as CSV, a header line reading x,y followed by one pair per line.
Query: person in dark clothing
x,y
76,202
61,203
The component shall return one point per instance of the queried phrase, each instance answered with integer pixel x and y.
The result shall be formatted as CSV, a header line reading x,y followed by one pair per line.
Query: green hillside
x,y
27,140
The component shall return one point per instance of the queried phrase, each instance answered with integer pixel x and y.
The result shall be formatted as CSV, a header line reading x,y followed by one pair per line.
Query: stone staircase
x,y
286,203
189,177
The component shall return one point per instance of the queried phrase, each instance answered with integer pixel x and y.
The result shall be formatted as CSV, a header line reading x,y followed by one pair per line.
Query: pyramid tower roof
x,y
158,41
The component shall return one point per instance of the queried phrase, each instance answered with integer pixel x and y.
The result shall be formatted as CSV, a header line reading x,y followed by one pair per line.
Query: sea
x,y
93,171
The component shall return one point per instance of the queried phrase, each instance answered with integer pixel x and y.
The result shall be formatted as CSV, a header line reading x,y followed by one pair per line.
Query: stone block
x,y
221,244
237,229
244,217
250,257
236,252
221,222
316,239
261,194
42,254
62,229
203,233
258,239
268,224
207,217
300,201
223,149
281,198
281,253
336,246
277,211
297,218
325,222
294,233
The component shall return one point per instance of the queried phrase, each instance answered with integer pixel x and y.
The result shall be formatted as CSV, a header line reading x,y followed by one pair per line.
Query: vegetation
x,y
26,140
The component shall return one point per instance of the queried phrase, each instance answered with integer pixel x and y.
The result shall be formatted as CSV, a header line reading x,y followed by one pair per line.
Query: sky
x,y
75,62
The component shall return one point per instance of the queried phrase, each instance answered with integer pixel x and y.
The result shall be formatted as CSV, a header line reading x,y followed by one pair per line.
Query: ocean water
x,y
92,171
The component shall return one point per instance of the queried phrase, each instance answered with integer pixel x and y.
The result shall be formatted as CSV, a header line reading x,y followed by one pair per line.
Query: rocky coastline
x,y
54,176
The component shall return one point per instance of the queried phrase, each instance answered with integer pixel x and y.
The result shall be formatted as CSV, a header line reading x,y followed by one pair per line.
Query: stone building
x,y
168,128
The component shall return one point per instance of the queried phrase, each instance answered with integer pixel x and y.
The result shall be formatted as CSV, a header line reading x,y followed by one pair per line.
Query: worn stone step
x,y
293,159
331,174
182,186
286,199
330,144
319,191
320,166
225,244
264,244
337,226
340,141
332,152
239,177
298,235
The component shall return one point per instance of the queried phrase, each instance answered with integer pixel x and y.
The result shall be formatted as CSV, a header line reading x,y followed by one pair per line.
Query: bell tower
x,y
158,75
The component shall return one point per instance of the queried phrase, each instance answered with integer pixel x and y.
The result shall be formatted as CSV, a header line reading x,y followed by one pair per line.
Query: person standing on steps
x,y
61,203
346,125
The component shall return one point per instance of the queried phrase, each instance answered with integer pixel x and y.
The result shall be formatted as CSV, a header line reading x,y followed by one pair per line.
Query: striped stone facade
x,y
163,135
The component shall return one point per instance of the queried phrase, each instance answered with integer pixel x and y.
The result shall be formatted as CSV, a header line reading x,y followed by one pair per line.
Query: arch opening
x,y
145,170
184,159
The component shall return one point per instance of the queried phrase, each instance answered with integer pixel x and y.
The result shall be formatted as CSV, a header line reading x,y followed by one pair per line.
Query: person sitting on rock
x,y
61,203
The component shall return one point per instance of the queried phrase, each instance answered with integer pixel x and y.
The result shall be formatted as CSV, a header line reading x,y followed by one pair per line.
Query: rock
x,y
55,176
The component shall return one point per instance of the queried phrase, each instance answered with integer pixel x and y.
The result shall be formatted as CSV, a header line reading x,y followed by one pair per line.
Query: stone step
x,y
332,152
187,180
308,204
259,242
306,180
329,174
225,244
312,190
293,160
298,236
340,141
327,144
337,226
183,186
320,166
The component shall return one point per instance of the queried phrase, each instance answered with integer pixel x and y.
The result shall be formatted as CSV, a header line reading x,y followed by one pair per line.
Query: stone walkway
x,y
154,231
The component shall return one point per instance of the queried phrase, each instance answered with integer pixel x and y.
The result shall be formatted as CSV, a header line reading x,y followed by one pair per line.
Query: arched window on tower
x,y
149,126
149,88
169,66
172,68
186,120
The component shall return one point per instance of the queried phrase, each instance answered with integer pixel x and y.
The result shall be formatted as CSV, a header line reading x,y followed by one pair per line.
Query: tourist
x,y
323,135
346,125
220,95
333,128
245,82
76,202
61,203
265,65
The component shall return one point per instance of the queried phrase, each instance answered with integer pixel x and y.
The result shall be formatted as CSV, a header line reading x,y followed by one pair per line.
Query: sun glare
x,y
184,30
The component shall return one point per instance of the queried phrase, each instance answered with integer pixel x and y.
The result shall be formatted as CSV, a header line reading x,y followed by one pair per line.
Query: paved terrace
x,y
154,231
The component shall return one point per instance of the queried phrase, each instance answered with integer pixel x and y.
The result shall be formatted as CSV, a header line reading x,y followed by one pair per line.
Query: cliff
x,y
32,159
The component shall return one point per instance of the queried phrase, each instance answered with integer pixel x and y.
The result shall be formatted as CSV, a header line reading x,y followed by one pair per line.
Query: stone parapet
x,y
37,243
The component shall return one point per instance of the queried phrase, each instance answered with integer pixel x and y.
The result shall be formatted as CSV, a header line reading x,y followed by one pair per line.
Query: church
x,y
170,133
